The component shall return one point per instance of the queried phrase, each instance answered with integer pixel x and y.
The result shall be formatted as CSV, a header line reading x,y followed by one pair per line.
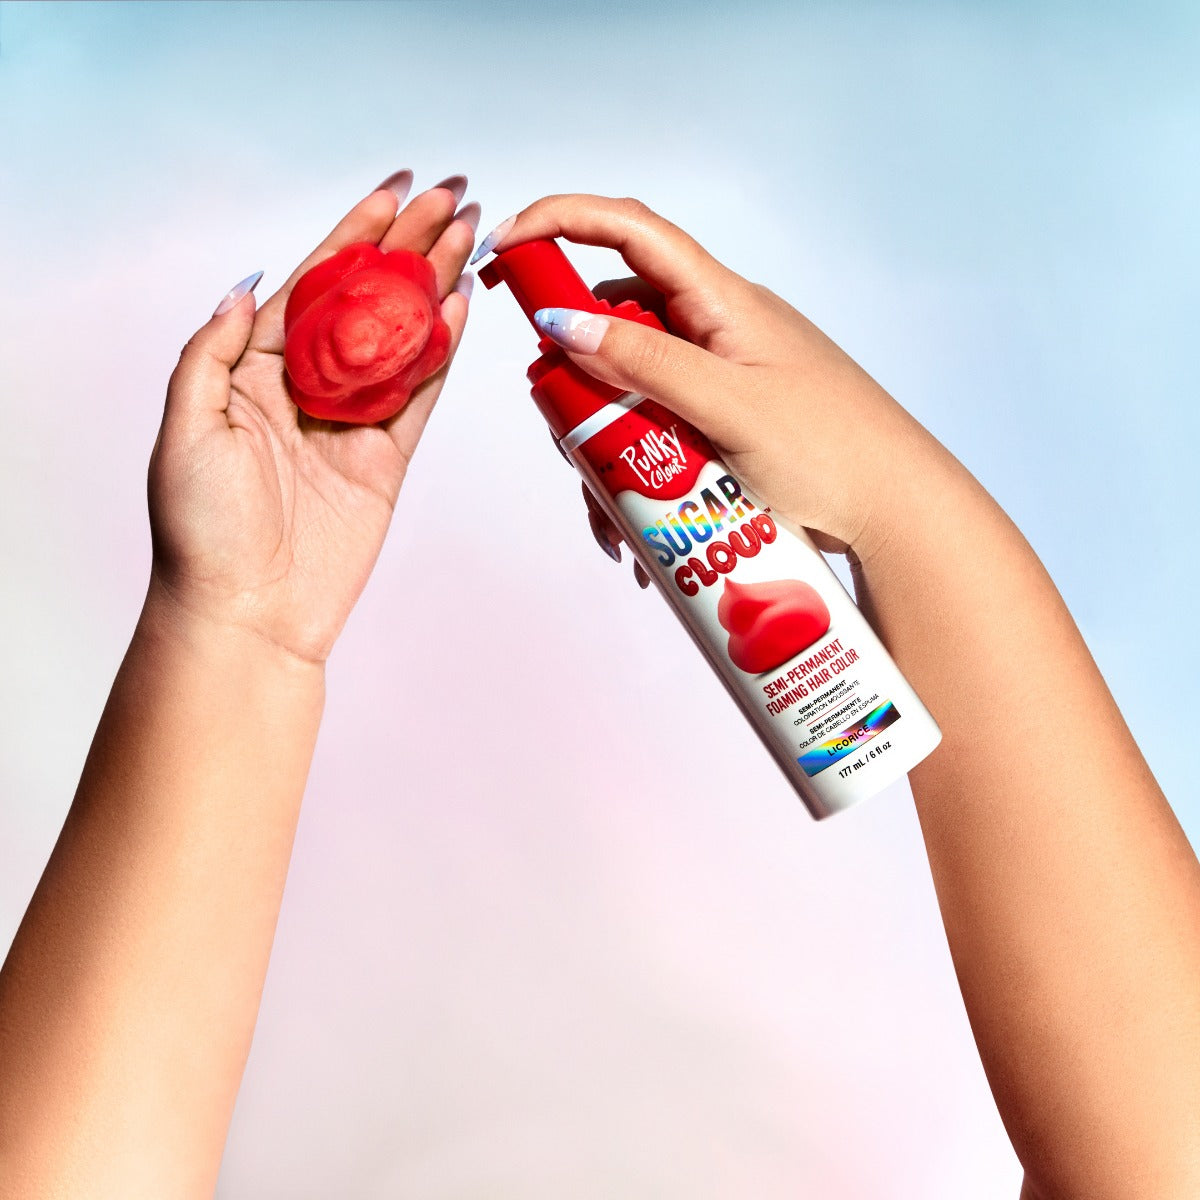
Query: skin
x,y
1069,893
1070,896
128,999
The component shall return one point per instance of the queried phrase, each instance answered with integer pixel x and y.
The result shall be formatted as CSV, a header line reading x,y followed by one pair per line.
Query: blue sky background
x,y
991,206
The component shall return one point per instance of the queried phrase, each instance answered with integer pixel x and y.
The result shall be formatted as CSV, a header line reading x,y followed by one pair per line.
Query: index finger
x,y
657,251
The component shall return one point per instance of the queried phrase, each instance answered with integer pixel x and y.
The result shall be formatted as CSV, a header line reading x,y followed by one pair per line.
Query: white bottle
x,y
759,600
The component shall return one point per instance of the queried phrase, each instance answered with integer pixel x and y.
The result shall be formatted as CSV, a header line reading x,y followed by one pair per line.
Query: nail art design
x,y
399,184
493,239
465,284
237,293
572,328
613,552
469,214
455,184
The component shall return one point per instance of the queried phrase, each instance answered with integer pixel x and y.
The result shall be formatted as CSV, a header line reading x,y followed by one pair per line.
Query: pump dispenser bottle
x,y
757,597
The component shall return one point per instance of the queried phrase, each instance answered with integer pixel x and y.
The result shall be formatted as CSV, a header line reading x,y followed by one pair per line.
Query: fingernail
x,y
643,580
613,552
238,293
400,184
572,328
494,238
457,184
465,284
469,214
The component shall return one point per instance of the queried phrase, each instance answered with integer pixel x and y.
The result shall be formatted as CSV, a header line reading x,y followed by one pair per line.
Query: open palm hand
x,y
264,518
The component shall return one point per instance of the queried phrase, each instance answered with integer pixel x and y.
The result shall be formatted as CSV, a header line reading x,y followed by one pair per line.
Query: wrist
x,y
918,489
168,618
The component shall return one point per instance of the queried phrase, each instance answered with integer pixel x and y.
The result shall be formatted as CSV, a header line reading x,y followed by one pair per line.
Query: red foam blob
x,y
362,330
769,623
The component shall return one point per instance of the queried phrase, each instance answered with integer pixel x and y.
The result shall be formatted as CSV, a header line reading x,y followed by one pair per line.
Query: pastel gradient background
x,y
555,925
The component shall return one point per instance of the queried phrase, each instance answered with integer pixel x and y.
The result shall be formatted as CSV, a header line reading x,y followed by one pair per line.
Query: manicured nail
x,y
465,284
457,184
643,580
237,293
572,328
400,184
493,239
613,552
469,214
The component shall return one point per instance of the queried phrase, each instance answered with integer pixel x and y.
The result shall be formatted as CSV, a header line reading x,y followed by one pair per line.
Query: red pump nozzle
x,y
540,276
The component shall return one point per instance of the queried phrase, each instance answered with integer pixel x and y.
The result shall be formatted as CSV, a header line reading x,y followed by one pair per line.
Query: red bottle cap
x,y
540,275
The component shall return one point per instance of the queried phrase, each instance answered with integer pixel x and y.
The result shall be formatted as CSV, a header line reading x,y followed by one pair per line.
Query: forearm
x,y
1070,895
129,997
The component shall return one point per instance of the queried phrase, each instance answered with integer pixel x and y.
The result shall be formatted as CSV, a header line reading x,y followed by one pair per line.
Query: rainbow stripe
x,y
826,753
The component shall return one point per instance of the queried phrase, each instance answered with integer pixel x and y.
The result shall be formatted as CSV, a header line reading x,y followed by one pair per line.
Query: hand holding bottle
x,y
796,419
762,605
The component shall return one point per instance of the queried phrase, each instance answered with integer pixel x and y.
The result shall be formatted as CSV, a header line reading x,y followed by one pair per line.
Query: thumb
x,y
693,383
199,387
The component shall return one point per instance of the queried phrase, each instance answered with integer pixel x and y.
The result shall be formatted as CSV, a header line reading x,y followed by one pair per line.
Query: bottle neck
x,y
614,410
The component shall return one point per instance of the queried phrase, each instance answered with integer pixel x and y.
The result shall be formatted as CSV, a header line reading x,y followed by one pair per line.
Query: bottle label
x,y
760,600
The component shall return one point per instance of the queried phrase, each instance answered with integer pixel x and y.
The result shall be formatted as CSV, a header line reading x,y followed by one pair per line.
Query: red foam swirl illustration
x,y
769,623
362,330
